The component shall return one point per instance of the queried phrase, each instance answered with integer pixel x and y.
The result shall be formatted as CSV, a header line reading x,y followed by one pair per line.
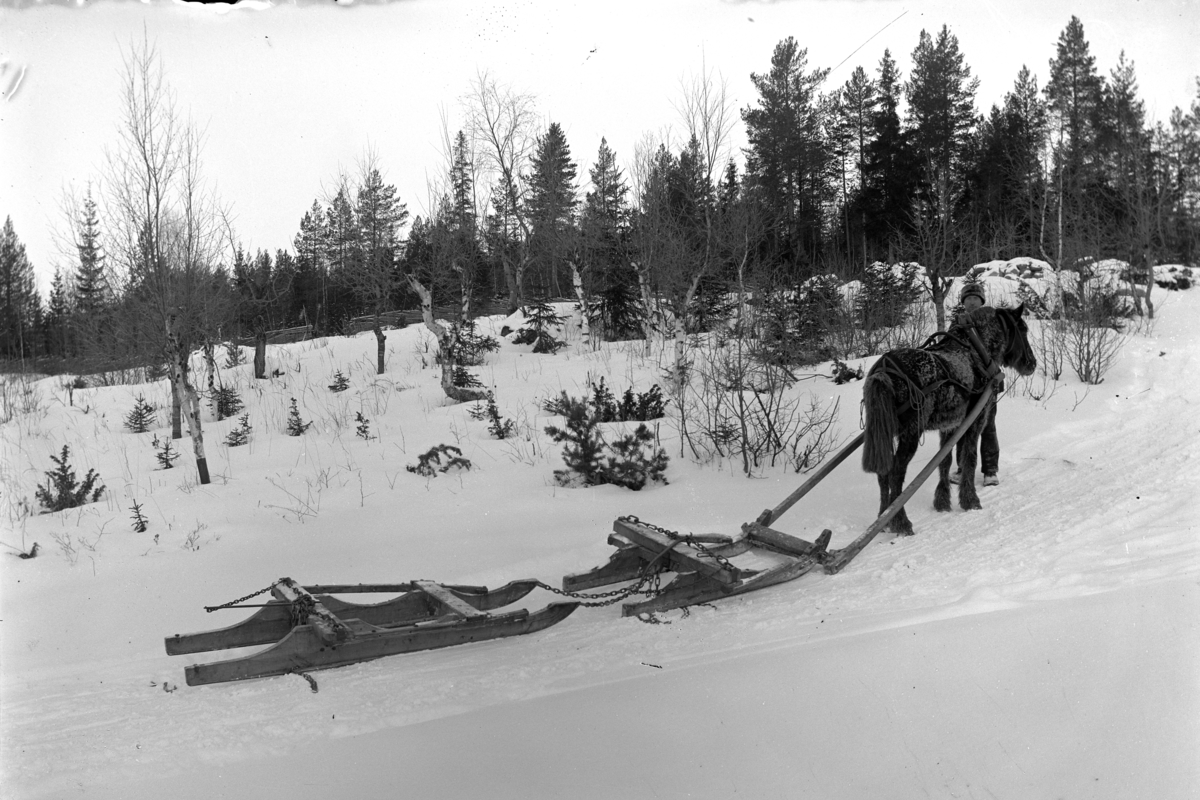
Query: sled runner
x,y
310,629
706,566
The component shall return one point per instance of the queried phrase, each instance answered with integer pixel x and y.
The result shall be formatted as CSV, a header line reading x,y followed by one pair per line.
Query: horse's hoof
x,y
972,504
942,504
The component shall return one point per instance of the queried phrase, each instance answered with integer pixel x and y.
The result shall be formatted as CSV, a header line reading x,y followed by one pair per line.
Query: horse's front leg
x,y
905,449
941,495
968,499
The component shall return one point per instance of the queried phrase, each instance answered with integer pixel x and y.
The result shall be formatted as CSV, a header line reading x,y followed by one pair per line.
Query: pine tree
x,y
788,157
1075,93
312,266
941,114
344,254
20,305
857,102
374,278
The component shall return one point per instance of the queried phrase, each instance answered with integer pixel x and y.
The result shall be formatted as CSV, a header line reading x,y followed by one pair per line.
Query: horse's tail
x,y
880,427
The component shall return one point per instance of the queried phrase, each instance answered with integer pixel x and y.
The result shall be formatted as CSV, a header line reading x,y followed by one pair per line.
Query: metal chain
x,y
648,584
685,538
251,596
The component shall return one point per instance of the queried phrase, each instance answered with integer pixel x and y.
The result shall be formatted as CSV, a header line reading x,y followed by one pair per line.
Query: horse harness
x,y
917,393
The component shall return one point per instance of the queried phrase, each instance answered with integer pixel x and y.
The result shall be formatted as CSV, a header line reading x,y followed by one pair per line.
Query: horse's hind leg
x,y
941,495
968,499
906,447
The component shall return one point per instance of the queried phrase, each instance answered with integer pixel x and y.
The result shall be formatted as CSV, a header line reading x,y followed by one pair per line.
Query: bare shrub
x,y
1092,349
738,407
1094,335
19,396
1050,347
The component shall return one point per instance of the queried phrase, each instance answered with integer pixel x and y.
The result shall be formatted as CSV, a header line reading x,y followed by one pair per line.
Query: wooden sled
x,y
707,566
713,566
310,629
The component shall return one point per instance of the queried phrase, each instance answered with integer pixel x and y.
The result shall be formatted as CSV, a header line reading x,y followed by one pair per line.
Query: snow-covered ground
x,y
1047,646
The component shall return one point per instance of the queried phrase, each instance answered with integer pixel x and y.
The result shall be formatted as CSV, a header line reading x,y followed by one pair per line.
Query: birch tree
x,y
164,229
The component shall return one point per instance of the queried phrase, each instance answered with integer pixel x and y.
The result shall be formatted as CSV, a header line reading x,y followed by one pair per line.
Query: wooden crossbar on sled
x,y
707,567
308,628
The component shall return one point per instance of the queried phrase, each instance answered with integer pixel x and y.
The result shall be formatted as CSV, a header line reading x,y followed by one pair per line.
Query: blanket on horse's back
x,y
946,373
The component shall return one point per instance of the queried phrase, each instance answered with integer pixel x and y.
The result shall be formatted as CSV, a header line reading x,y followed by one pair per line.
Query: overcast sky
x,y
291,94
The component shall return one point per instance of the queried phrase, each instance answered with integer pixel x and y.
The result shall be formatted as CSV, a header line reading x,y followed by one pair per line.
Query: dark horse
x,y
909,391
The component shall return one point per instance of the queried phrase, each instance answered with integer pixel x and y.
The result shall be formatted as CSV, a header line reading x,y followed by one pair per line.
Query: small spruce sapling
x,y
63,490
498,427
241,434
340,382
429,464
226,402
234,356
465,379
604,403
364,426
141,417
642,406
140,523
164,453
540,320
470,346
295,425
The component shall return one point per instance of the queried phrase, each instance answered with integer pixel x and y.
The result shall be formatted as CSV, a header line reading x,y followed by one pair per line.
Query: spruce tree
x,y
550,206
91,288
57,318
604,228
458,225
890,166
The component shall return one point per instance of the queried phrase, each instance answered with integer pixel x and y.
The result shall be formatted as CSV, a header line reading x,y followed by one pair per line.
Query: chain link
x,y
685,538
250,596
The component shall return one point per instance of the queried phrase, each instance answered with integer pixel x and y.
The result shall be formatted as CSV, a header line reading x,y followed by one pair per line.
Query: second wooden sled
x,y
311,629
706,566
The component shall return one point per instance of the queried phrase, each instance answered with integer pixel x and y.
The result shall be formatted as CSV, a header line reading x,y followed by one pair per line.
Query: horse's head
x,y
1017,353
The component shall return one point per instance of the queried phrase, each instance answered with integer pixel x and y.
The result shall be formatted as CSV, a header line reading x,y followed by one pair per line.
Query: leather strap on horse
x,y
917,394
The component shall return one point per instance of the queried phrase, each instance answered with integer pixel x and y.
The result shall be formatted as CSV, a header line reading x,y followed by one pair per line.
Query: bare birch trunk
x,y
681,335
187,400
648,307
445,340
260,352
585,327
380,346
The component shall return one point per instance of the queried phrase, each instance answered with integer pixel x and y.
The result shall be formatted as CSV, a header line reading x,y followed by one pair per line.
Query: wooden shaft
x,y
770,515
846,554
